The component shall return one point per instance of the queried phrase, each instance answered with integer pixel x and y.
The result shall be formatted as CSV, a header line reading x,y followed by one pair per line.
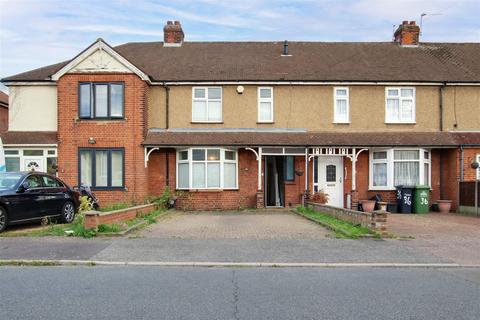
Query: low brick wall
x,y
375,221
94,218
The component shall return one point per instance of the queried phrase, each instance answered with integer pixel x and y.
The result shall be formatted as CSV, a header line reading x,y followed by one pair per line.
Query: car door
x,y
27,203
54,193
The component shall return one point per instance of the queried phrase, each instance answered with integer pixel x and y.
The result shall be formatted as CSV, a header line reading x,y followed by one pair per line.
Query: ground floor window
x,y
101,168
393,167
207,168
27,159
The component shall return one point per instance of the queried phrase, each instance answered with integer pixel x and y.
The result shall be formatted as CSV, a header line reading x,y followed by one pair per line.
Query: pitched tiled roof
x,y
354,139
29,137
309,61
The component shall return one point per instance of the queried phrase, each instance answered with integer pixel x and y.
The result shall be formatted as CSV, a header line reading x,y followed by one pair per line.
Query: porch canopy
x,y
309,144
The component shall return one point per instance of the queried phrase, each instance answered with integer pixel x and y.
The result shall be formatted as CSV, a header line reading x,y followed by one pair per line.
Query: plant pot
x,y
444,205
368,205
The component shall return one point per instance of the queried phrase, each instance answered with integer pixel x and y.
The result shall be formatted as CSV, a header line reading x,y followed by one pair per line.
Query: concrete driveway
x,y
235,225
449,236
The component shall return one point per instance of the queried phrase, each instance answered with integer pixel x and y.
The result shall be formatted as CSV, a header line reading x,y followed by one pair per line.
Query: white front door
x,y
330,179
33,164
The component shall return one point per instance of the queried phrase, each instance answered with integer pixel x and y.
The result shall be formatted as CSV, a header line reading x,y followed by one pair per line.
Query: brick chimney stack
x,y
407,34
173,34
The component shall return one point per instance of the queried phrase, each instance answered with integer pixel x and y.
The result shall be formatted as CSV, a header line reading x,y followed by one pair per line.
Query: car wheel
x,y
3,219
68,212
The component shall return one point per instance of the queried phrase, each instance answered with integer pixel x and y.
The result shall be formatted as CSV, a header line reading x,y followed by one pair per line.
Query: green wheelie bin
x,y
421,203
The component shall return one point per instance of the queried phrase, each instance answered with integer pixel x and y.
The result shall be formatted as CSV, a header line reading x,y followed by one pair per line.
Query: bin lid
x,y
422,186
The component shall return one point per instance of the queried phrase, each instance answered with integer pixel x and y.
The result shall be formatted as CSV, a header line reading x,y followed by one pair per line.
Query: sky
x,y
35,33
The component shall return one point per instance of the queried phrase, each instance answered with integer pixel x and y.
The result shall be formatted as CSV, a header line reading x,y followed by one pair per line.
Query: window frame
x,y
390,166
221,161
388,119
48,153
206,99
285,169
93,109
109,168
260,100
335,106
478,169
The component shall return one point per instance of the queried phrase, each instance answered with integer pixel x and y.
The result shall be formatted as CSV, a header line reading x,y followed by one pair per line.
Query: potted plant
x,y
444,206
320,197
368,205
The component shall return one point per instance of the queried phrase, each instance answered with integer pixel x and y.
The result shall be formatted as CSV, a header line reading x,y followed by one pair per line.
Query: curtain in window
x,y
393,106
198,175
380,174
101,168
101,100
86,168
85,107
230,175
117,168
116,100
214,111
265,111
341,111
213,172
183,175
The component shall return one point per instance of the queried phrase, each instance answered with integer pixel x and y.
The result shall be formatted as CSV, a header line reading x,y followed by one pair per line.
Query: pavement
x,y
269,237
238,293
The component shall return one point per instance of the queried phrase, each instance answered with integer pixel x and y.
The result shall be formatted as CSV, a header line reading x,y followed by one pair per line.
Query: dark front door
x,y
274,181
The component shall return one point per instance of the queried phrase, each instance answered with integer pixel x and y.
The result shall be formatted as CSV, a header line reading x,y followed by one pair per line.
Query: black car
x,y
31,196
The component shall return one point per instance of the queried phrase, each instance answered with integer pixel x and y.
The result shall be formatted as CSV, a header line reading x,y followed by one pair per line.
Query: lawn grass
x,y
342,229
77,229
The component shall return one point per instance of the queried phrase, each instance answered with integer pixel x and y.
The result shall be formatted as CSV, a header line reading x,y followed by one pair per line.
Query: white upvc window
x,y
341,109
27,159
207,104
478,169
401,166
399,105
265,104
207,168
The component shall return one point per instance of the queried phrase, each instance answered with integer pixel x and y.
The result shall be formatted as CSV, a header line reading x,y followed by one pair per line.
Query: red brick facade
x,y
128,133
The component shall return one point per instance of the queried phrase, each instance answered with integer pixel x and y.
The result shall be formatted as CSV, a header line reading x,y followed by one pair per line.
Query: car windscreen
x,y
9,180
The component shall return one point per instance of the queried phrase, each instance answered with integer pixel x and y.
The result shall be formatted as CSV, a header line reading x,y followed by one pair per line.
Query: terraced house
x,y
252,124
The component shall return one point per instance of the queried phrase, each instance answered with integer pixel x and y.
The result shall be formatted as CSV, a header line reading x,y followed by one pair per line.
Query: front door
x,y
330,179
33,164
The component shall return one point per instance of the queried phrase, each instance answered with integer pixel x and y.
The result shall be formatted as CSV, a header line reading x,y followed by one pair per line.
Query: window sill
x,y
108,188
207,190
265,122
101,119
196,122
341,122
412,122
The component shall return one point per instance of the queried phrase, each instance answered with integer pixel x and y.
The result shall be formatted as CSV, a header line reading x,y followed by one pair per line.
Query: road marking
x,y
24,262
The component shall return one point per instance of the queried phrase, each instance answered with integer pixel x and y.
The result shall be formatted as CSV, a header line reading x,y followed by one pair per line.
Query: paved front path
x,y
235,225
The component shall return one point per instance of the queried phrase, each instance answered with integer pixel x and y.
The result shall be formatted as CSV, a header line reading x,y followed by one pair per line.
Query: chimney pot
x,y
407,34
173,34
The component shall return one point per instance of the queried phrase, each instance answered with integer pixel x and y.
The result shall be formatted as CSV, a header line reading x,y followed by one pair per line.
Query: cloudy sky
x,y
34,33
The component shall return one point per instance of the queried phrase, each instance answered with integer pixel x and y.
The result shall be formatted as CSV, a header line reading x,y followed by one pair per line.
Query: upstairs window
x,y
400,105
265,104
207,104
341,105
101,100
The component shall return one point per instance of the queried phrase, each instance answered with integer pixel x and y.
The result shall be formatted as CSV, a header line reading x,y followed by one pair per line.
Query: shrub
x,y
320,197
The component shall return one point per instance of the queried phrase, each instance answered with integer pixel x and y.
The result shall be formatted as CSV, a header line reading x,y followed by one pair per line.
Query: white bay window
x,y
206,168
393,167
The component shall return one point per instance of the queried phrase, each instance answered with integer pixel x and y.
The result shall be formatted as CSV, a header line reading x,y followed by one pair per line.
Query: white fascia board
x,y
40,145
30,83
99,44
288,83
